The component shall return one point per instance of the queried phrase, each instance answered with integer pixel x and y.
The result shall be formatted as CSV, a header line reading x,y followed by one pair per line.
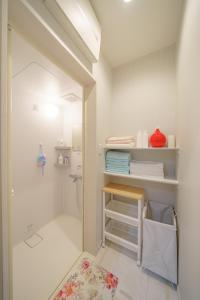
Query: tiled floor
x,y
134,283
43,268
38,271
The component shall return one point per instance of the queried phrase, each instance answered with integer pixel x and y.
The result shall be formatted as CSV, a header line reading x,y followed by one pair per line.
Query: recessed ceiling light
x,y
127,1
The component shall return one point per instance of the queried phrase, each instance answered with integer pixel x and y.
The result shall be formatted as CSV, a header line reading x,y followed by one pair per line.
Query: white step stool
x,y
129,216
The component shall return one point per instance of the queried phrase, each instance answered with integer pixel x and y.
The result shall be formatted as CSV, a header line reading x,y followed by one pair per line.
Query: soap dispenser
x,y
60,159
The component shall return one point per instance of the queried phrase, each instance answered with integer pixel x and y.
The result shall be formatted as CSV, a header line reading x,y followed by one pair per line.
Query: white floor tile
x,y
38,271
134,283
160,288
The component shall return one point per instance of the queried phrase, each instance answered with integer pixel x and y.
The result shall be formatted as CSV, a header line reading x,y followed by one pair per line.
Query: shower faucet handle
x,y
75,177
12,192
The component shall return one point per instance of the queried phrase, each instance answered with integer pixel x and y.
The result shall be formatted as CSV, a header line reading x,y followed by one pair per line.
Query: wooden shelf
x,y
165,180
124,191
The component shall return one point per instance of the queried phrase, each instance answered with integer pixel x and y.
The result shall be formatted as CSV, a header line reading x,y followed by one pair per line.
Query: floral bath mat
x,y
88,282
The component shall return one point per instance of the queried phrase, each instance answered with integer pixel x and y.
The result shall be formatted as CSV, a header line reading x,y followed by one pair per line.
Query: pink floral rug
x,y
89,282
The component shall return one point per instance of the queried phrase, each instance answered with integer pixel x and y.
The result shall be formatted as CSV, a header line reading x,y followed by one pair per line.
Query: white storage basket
x,y
160,241
121,230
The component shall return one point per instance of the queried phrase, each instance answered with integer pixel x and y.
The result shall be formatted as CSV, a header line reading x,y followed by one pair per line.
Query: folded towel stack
x,y
118,162
147,168
120,142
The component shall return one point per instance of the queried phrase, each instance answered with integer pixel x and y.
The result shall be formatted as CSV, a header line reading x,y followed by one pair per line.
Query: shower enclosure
x,y
47,196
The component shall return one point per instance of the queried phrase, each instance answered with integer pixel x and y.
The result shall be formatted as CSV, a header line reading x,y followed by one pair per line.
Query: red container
x,y
158,139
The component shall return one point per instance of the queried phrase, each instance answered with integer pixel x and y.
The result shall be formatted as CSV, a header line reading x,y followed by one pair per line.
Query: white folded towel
x,y
121,138
126,140
120,142
121,146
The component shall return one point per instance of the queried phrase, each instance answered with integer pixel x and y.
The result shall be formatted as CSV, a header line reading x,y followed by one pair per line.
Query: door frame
x,y
5,154
60,54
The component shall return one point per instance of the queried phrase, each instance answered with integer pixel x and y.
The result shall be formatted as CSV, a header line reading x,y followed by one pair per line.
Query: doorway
x,y
47,197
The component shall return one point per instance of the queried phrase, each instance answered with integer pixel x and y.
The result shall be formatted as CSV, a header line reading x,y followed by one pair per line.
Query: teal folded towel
x,y
110,170
118,169
118,162
118,155
117,165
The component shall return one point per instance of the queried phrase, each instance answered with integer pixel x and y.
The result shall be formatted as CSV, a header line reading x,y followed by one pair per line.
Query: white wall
x,y
36,81
188,73
72,197
144,94
150,79
103,75
72,190
5,249
92,97
91,141
97,128
39,6
90,170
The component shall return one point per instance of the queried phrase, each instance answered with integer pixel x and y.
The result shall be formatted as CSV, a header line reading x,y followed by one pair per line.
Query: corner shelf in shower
x,y
61,166
59,148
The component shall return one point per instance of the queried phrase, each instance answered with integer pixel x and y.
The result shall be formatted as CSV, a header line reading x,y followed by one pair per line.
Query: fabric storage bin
x,y
147,168
160,240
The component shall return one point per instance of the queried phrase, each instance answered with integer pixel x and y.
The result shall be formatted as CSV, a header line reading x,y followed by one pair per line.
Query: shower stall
x,y
47,196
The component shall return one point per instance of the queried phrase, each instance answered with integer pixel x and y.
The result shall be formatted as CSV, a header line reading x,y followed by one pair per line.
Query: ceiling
x,y
132,30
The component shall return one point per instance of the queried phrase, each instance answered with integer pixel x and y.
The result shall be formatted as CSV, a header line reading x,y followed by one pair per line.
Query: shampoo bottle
x,y
139,139
145,139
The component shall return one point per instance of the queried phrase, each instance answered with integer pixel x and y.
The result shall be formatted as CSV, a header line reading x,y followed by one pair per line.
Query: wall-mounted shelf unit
x,y
117,147
165,155
172,181
119,218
